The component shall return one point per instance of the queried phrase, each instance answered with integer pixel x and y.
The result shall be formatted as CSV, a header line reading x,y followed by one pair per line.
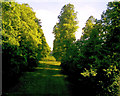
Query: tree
x,y
111,23
23,41
88,27
97,51
64,31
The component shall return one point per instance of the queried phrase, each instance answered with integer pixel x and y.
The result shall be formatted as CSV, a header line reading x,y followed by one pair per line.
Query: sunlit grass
x,y
59,75
47,75
50,62
47,68
49,58
44,80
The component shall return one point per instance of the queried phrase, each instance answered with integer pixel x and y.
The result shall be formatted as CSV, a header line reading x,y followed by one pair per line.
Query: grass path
x,y
46,80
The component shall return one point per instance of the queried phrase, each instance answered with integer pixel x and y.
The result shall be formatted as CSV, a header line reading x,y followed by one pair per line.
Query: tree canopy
x,y
64,31
23,40
95,57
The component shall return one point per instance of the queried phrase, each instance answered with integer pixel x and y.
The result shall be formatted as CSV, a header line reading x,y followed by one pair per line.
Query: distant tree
x,y
44,48
64,31
88,28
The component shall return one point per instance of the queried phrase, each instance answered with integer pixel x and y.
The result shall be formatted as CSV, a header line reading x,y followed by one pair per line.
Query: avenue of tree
x,y
95,57
92,60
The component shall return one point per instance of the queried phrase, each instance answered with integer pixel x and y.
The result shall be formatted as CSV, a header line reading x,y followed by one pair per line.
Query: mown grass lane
x,y
46,80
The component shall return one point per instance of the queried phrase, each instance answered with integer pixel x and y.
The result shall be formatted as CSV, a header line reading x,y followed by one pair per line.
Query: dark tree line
x,y
94,59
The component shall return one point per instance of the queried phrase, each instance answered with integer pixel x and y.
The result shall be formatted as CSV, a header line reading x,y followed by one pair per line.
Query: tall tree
x,y
88,28
23,41
111,23
64,31
98,58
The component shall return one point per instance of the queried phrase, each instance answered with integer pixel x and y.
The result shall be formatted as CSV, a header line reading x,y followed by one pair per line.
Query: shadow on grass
x,y
46,80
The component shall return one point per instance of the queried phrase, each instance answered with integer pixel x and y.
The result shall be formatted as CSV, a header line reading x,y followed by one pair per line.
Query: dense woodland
x,y
93,61
23,41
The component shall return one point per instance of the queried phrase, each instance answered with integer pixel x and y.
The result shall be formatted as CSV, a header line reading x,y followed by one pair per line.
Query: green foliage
x,y
95,57
64,31
23,41
88,27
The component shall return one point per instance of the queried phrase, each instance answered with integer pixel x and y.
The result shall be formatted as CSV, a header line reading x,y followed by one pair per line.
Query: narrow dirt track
x,y
46,80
